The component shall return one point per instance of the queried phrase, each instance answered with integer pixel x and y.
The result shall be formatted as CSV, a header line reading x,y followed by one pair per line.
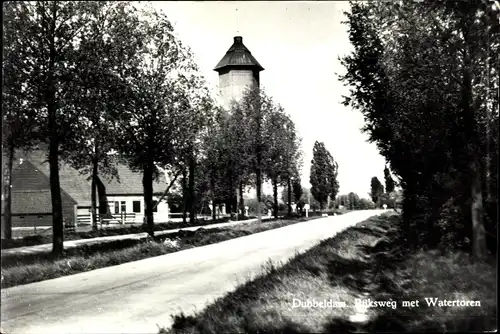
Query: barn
x,y
31,197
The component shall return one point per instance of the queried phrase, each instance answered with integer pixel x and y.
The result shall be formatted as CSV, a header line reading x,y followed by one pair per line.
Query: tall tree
x,y
99,92
18,115
353,200
293,162
48,32
377,189
292,192
389,182
427,96
202,104
297,192
160,118
213,157
240,152
257,108
323,177
280,160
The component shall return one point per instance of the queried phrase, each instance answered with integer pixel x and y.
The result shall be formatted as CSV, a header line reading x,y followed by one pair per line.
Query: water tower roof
x,y
238,55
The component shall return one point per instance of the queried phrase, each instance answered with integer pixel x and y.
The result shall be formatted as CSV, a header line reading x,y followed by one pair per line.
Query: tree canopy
x,y
423,75
323,176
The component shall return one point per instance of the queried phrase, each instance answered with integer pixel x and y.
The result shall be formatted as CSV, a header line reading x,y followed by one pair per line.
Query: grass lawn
x,y
45,236
28,268
368,261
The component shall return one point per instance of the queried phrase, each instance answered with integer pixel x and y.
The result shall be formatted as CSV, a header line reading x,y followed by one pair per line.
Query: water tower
x,y
238,70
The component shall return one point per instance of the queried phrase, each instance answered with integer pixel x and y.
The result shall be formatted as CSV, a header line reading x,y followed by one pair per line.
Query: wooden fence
x,y
120,218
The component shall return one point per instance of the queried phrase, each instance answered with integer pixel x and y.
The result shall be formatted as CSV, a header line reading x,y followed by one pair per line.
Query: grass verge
x,y
45,238
367,261
27,268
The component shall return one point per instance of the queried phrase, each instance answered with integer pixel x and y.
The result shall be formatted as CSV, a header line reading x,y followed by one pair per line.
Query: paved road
x,y
76,243
136,296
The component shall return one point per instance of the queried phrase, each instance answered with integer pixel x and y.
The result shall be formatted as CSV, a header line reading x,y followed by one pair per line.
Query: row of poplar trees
x,y
83,79
425,75
253,142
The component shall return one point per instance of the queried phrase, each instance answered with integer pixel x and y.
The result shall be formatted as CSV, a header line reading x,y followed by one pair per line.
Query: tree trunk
x,y
93,195
258,155
471,143
237,204
242,201
235,199
147,183
289,190
227,204
478,230
184,197
191,195
95,172
230,198
8,194
259,199
212,185
275,198
101,194
55,191
55,187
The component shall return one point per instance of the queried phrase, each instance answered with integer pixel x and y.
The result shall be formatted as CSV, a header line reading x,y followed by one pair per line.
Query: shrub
x,y
266,204
451,226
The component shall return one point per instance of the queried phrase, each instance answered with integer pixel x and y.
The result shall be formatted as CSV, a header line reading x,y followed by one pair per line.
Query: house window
x,y
21,217
123,206
117,207
155,207
136,206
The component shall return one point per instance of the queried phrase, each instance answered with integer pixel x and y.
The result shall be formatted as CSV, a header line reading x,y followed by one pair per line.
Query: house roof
x,y
128,182
28,177
30,202
76,184
238,55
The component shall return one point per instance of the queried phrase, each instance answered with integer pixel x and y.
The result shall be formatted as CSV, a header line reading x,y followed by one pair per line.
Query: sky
x,y
298,44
